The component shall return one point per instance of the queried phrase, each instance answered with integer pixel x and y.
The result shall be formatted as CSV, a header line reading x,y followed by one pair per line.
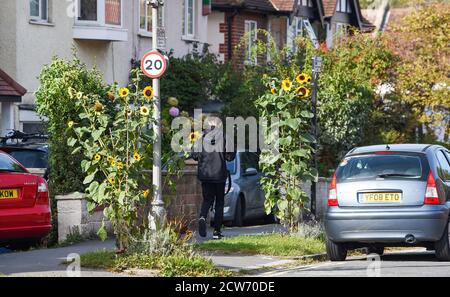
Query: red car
x,y
24,203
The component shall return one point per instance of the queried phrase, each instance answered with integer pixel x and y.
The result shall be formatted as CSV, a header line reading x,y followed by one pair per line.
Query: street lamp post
x,y
157,215
317,63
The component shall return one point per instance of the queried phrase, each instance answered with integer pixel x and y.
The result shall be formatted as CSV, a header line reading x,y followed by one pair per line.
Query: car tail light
x,y
42,192
332,196
431,194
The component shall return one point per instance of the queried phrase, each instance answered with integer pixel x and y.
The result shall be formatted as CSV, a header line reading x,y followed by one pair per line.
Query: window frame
x,y
101,15
39,17
161,18
249,45
347,3
186,32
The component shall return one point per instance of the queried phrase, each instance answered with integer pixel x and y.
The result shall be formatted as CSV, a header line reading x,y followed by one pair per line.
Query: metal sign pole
x,y
315,73
158,213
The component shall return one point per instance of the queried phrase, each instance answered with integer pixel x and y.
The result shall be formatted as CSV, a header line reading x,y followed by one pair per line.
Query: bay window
x,y
39,10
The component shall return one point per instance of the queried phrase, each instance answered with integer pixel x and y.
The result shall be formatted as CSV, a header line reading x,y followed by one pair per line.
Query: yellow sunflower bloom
x,y
303,92
286,85
111,180
129,112
194,136
146,193
144,111
97,157
123,92
136,156
120,165
302,78
148,92
70,124
110,159
273,91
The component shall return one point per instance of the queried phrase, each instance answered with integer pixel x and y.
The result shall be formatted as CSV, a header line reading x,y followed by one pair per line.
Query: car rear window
x,y
392,166
7,164
30,159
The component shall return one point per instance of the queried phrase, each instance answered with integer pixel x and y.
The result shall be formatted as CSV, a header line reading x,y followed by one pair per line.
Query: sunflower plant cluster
x,y
289,101
114,141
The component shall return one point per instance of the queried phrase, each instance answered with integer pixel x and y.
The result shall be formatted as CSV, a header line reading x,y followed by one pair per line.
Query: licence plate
x,y
382,198
8,194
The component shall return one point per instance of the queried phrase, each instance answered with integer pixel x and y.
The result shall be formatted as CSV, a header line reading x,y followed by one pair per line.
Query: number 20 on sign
x,y
154,64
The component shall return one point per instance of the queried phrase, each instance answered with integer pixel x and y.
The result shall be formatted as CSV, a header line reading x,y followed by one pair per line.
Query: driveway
x,y
412,263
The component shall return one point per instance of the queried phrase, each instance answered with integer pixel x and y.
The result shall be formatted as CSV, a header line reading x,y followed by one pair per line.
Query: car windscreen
x,y
231,166
31,158
382,165
7,164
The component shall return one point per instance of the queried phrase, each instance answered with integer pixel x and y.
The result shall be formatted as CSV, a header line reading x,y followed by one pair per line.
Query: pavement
x,y
49,262
412,262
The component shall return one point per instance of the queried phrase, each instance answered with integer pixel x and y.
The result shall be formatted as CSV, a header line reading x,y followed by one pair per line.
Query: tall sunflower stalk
x,y
111,132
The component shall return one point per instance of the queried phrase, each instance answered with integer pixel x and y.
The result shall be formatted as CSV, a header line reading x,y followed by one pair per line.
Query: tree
x,y
423,82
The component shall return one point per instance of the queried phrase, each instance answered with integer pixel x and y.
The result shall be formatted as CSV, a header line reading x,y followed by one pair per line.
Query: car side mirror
x,y
250,171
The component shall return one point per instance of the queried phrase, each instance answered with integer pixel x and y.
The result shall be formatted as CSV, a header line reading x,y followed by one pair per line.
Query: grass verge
x,y
267,244
173,265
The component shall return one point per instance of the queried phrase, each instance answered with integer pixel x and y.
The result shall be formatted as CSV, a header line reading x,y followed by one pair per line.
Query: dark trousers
x,y
213,192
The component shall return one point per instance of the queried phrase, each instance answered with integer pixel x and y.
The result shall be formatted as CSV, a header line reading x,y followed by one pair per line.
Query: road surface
x,y
412,263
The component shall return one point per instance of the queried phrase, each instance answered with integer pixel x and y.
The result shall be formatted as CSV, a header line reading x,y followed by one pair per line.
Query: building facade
x,y
107,34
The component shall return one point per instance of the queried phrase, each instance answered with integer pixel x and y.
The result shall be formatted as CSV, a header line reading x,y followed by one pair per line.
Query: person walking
x,y
213,174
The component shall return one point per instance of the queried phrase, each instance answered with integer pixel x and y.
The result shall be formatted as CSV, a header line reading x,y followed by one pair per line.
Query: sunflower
x,y
303,92
136,156
113,163
70,124
98,107
110,159
286,85
97,157
273,91
146,193
302,78
144,111
194,136
120,165
123,92
111,180
148,92
79,95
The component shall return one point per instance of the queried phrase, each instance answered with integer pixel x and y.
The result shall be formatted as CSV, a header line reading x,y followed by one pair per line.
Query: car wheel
x,y
375,250
442,246
336,251
238,214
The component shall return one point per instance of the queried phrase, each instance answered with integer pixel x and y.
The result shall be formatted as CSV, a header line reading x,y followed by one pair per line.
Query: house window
x,y
307,3
343,6
39,10
113,12
251,28
145,16
102,12
87,10
299,28
189,18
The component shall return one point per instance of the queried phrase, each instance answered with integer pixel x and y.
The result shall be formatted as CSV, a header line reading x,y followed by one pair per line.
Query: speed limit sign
x,y
154,64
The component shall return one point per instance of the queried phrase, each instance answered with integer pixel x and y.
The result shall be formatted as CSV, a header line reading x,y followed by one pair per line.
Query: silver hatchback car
x,y
390,195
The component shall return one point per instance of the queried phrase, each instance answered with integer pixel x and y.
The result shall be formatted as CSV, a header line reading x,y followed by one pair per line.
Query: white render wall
x,y
215,38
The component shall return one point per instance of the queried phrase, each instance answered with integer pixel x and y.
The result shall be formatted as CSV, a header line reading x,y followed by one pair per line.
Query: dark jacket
x,y
212,166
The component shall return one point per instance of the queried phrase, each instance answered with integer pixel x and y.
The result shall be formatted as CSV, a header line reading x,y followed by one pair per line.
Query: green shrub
x,y
54,103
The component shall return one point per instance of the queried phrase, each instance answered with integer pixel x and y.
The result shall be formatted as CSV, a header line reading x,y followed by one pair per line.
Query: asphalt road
x,y
413,263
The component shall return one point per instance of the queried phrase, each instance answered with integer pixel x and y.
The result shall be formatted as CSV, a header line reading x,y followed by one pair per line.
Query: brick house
x,y
236,18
